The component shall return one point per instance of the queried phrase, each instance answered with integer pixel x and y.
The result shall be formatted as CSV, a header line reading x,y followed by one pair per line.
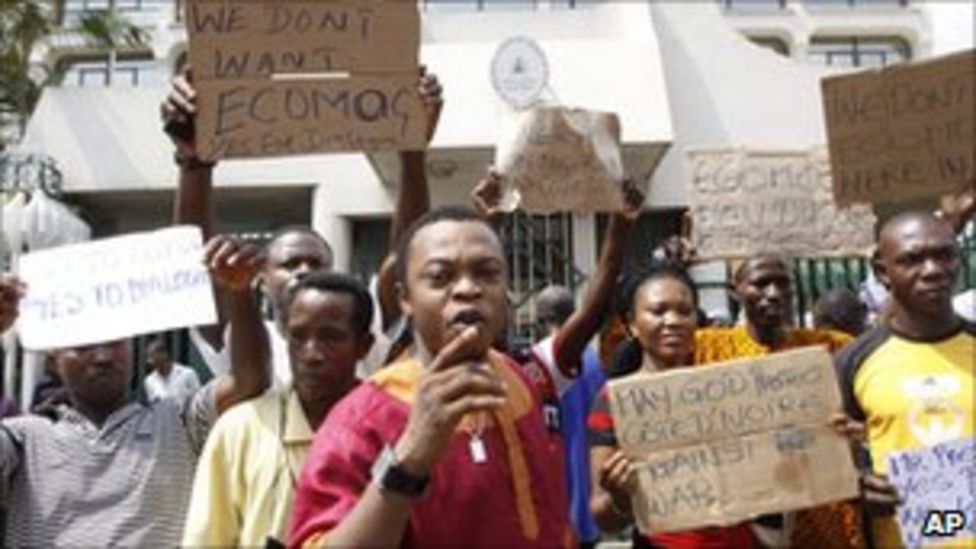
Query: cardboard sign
x,y
562,160
719,444
115,288
745,203
938,486
283,77
902,132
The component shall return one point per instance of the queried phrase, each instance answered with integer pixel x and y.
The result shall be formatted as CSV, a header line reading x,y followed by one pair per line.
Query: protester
x,y
296,250
661,316
109,471
445,446
244,485
840,310
168,378
554,306
911,380
762,286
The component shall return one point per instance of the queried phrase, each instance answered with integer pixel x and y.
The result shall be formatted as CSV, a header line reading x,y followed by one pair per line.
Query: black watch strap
x,y
391,477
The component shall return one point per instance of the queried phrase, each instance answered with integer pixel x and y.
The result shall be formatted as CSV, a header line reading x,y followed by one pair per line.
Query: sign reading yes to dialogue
x,y
902,132
283,77
938,489
749,202
717,444
115,288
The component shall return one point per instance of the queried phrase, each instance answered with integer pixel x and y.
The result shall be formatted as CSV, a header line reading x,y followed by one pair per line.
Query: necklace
x,y
476,446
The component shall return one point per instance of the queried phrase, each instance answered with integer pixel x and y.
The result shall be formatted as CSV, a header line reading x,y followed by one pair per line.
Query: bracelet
x,y
191,162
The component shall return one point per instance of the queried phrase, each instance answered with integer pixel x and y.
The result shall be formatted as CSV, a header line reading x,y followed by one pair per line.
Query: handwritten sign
x,y
115,288
938,486
718,444
282,77
902,132
745,203
562,160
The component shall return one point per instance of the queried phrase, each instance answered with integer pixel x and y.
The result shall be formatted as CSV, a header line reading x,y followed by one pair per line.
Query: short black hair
x,y
362,314
441,213
626,357
658,271
296,229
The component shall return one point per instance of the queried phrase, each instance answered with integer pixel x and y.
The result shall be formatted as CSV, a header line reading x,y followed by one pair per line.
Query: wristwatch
x,y
390,476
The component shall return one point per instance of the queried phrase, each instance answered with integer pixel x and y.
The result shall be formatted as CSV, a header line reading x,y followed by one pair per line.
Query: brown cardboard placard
x,y
749,202
255,118
562,159
902,132
281,77
718,444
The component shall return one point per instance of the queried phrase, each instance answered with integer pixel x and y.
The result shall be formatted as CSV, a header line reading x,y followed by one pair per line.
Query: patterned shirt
x,y
516,497
126,483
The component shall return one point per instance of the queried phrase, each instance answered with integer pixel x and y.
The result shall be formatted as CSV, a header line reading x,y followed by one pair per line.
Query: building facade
x,y
679,75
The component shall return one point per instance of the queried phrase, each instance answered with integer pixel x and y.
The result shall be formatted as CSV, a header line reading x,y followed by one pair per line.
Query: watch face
x,y
519,72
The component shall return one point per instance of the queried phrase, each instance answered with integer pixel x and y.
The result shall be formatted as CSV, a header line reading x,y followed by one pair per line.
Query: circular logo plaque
x,y
519,72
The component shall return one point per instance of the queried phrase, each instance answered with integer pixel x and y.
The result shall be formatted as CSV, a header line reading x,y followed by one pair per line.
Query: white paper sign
x,y
938,489
115,288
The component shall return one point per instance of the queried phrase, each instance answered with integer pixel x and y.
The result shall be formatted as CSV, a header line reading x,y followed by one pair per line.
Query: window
x,y
754,4
128,73
855,3
539,250
773,43
497,5
858,51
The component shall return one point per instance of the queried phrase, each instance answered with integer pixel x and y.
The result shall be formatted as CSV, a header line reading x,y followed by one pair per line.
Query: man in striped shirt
x,y
109,471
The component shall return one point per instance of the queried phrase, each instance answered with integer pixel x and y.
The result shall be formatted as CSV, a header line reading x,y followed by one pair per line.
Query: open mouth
x,y
468,317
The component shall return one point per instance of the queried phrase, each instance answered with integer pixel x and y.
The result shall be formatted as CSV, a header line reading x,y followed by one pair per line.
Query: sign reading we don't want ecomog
x,y
282,77
718,444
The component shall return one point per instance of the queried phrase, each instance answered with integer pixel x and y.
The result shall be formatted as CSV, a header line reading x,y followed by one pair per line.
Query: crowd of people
x,y
319,429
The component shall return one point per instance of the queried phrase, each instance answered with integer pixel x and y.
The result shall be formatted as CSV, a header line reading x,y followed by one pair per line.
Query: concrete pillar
x,y
336,229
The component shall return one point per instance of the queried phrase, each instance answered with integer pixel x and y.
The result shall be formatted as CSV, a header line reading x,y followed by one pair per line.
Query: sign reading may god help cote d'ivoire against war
x,y
744,203
718,444
281,77
115,288
903,132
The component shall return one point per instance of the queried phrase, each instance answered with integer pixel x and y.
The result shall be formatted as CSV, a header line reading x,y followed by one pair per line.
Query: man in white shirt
x,y
168,379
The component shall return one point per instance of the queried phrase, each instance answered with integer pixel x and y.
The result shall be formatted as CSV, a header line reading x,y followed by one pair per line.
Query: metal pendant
x,y
477,447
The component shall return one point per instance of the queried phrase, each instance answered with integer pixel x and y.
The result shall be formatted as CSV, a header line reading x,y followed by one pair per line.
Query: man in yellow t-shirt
x,y
912,380
247,473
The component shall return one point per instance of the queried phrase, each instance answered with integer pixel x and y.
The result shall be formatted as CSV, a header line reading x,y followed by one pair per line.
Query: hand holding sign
x,y
432,97
179,111
878,495
11,290
487,195
618,477
233,265
632,200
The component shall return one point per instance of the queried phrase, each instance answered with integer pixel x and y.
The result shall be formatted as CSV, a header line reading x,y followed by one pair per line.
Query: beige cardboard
x,y
745,203
283,77
248,38
562,159
260,118
718,444
903,132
